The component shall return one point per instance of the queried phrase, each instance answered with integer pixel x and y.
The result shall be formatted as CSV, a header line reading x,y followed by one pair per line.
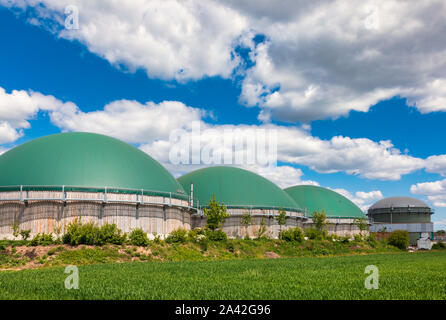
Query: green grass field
x,y
401,276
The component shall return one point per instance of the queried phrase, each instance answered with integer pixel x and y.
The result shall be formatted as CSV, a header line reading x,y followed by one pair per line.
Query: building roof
x,y
84,160
398,202
236,188
314,198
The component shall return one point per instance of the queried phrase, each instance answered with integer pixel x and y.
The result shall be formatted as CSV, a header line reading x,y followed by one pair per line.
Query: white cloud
x,y
169,39
435,191
129,120
436,164
321,59
150,125
17,108
362,199
328,60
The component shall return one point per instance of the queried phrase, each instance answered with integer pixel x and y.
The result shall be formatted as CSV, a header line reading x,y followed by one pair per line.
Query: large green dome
x,y
84,160
313,198
236,188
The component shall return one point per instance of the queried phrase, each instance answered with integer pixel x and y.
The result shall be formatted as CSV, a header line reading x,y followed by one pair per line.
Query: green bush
x,y
216,235
25,234
90,234
177,236
138,238
110,234
399,239
315,234
439,246
292,234
195,235
42,239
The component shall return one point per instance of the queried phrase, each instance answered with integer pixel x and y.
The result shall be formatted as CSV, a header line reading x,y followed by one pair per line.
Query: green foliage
x,y
25,234
439,246
195,235
15,229
281,218
315,234
42,239
90,234
292,234
399,239
262,228
110,234
177,236
361,223
216,235
319,219
246,219
138,237
215,214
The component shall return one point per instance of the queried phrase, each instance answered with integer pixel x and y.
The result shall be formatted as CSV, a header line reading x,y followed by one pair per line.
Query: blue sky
x,y
262,68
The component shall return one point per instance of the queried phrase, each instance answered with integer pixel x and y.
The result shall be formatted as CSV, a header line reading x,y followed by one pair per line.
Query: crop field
x,y
401,276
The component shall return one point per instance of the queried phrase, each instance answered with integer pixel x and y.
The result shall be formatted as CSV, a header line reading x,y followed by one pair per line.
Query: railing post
x,y
142,196
21,193
170,199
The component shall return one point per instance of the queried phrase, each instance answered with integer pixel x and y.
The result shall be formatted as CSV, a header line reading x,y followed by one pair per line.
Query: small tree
x,y
361,223
15,229
215,214
399,239
319,219
281,219
246,221
262,228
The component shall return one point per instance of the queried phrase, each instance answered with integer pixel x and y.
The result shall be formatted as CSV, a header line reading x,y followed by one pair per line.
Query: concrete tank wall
x,y
234,229
54,216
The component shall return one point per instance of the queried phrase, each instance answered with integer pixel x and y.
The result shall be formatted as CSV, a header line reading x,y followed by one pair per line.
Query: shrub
x,y
216,235
439,246
42,239
315,234
177,236
230,247
138,238
357,237
292,234
90,234
25,234
110,234
399,239
195,235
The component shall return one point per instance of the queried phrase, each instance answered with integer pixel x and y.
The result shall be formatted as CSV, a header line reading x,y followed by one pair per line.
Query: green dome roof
x,y
84,160
313,198
236,188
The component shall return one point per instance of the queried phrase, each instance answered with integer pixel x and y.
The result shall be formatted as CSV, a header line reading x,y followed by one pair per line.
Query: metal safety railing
x,y
102,192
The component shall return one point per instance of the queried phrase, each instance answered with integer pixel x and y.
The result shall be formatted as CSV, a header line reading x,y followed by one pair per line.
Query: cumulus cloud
x,y
152,126
362,199
169,39
435,191
129,120
320,59
17,108
341,56
436,164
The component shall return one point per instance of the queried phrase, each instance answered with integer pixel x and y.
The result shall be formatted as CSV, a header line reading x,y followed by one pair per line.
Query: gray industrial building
x,y
402,213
